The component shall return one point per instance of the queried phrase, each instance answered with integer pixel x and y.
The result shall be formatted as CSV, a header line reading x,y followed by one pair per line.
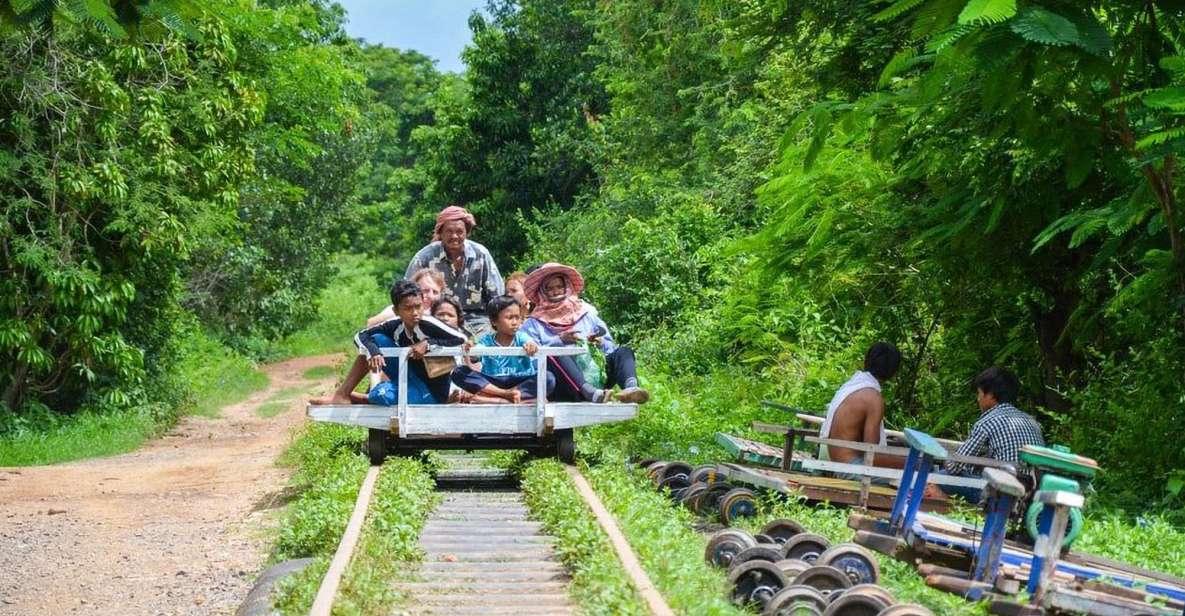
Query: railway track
x,y
482,555
482,552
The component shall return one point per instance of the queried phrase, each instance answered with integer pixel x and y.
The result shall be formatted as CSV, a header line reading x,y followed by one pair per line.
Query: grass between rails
x,y
599,582
330,467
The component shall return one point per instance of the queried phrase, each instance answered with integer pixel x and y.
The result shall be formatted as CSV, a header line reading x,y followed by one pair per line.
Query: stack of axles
x,y
785,570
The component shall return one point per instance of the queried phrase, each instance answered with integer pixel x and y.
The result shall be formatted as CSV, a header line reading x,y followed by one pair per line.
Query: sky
x,y
436,28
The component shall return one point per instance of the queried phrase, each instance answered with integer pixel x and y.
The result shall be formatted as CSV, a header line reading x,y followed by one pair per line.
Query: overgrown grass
x,y
599,582
85,435
317,373
403,498
330,467
662,537
213,375
216,375
356,292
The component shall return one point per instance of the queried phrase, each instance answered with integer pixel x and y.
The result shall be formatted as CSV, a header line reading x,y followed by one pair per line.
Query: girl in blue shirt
x,y
503,378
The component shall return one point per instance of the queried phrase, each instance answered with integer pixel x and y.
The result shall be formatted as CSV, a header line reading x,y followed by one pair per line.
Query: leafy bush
x,y
358,289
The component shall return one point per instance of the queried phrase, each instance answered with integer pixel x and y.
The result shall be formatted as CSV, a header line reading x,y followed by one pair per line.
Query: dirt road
x,y
178,527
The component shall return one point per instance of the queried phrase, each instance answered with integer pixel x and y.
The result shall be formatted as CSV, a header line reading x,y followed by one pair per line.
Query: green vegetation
x,y
215,377
172,169
318,373
661,535
84,435
352,295
402,501
329,468
599,582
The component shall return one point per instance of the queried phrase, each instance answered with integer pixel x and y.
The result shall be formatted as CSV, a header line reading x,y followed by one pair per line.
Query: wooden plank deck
x,y
820,489
442,419
748,451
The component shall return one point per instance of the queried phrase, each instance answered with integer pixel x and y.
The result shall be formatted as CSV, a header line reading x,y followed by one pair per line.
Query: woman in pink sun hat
x,y
561,318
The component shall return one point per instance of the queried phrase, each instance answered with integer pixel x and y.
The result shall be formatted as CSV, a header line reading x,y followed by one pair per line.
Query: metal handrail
x,y
544,421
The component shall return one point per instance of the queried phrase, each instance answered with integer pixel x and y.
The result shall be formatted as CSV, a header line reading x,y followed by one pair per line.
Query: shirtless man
x,y
857,411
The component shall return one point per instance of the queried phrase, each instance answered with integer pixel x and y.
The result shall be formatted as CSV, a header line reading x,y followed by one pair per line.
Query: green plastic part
x,y
1059,459
1074,524
1057,483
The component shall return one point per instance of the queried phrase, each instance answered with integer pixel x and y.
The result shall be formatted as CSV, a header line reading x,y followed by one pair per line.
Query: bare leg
x,y
342,395
513,396
481,399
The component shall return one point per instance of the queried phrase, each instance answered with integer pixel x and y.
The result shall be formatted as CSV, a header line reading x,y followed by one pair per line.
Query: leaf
x,y
1171,98
948,37
1161,137
1047,28
1174,65
822,119
897,9
1093,36
987,11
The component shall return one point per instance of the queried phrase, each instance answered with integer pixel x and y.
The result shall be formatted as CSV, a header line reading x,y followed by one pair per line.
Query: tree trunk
x,y
1058,359
14,394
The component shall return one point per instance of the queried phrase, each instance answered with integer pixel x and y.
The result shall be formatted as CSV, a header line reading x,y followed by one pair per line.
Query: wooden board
x,y
748,451
442,419
820,489
891,474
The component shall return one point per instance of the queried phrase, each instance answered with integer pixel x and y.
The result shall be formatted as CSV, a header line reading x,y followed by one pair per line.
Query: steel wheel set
x,y
783,570
786,571
701,490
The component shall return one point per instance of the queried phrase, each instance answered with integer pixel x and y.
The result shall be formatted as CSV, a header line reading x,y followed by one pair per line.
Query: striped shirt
x,y
999,433
435,332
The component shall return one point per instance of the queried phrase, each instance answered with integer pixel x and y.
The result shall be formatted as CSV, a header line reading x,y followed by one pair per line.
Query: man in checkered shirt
x,y
1001,430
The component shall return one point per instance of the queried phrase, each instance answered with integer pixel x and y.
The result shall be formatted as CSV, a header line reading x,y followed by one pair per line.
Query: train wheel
x,y
782,530
857,604
796,600
736,504
792,567
376,445
906,609
854,560
565,446
755,583
805,546
725,545
757,552
827,580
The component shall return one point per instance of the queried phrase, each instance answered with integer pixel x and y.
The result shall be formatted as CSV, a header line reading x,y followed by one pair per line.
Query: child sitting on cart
x,y
503,378
412,329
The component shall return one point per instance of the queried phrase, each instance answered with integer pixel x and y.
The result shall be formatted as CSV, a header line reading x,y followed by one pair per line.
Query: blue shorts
x,y
387,394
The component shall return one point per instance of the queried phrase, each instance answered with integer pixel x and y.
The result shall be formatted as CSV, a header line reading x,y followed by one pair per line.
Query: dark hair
x,y
882,360
450,301
498,304
403,289
998,382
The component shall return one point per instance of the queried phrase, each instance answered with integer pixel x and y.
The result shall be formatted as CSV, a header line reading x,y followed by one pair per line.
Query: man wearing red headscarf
x,y
561,318
470,275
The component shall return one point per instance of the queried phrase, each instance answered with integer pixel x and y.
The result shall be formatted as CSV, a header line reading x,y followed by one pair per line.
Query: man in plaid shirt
x,y
1001,430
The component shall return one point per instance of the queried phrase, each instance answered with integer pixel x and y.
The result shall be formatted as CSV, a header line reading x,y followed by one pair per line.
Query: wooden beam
x,y
890,473
437,419
323,603
654,599
815,420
